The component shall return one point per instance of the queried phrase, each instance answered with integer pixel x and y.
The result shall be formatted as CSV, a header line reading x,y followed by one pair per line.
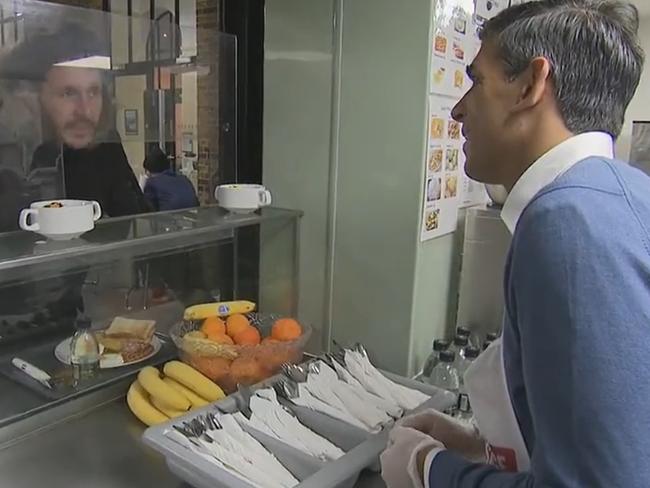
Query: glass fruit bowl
x,y
229,365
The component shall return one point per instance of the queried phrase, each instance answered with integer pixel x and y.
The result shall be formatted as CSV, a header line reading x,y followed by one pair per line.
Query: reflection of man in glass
x,y
79,156
72,98
78,122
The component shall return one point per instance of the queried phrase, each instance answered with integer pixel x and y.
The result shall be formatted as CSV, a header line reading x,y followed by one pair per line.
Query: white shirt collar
x,y
551,165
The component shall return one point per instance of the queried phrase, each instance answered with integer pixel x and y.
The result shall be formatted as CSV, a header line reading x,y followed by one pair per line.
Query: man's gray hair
x,y
592,46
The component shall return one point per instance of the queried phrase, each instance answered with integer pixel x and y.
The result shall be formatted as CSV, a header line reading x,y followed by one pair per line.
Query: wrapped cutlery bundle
x,y
320,425
355,393
220,440
273,419
230,450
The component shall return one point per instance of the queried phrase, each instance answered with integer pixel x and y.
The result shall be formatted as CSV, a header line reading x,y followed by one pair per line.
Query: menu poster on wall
x,y
443,171
473,193
453,45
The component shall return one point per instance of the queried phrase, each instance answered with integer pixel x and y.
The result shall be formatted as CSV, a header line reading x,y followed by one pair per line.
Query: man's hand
x,y
402,463
457,436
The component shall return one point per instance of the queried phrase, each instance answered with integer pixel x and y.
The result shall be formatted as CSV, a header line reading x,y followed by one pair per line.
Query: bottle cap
x,y
463,331
440,345
460,340
447,356
83,323
471,352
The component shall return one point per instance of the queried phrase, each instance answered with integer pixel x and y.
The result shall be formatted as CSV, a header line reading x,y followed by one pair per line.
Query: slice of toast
x,y
125,328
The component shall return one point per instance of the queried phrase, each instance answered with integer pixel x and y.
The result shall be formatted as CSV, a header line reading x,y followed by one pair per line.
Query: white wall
x,y
344,140
297,123
639,109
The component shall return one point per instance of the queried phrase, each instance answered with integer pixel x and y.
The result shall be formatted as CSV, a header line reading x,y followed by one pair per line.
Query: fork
x,y
294,372
243,400
287,388
359,348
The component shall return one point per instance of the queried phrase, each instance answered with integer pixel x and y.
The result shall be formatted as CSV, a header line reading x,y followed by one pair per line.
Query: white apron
x,y
485,381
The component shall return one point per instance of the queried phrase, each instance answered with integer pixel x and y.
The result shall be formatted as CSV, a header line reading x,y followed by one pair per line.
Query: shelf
x,y
25,255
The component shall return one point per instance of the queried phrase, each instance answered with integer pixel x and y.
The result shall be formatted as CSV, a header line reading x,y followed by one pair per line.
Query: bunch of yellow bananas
x,y
154,398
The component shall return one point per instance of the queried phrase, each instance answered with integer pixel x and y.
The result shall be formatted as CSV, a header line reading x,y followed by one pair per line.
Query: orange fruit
x,y
236,323
271,358
286,330
270,340
213,325
213,367
249,336
247,371
221,338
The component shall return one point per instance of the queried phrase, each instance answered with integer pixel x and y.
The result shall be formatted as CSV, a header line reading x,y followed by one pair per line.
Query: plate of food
x,y
125,342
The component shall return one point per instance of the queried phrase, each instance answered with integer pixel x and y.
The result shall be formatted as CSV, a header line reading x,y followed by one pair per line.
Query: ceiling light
x,y
97,62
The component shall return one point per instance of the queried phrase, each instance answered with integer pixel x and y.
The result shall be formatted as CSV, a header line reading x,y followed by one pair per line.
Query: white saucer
x,y
62,237
62,352
240,210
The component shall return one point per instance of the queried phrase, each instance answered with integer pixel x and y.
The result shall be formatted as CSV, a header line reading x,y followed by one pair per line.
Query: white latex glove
x,y
461,437
399,462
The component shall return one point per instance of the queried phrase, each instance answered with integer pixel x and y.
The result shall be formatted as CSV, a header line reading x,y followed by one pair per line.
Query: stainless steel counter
x,y
98,448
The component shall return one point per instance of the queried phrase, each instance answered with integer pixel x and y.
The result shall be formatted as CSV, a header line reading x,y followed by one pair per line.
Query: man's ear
x,y
533,83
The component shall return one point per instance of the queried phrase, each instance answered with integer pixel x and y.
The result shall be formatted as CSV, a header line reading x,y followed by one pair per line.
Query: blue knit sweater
x,y
170,191
577,336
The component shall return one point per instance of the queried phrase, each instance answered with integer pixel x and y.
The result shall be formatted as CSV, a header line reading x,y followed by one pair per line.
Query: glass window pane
x,y
188,28
141,24
119,33
118,6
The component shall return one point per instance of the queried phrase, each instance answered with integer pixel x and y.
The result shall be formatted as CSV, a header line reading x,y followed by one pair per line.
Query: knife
x,y
33,372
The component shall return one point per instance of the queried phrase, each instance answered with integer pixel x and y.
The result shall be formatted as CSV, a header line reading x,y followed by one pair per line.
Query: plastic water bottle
x,y
489,339
439,345
458,345
463,331
84,351
464,409
463,362
471,353
444,375
472,339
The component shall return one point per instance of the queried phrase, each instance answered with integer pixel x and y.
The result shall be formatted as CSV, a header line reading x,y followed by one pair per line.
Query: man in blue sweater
x,y
562,399
165,189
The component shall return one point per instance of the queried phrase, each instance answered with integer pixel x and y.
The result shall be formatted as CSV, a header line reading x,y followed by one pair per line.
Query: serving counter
x,y
96,442
85,435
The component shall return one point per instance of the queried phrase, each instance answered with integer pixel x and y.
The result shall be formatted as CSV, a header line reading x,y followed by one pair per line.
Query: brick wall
x,y
207,18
